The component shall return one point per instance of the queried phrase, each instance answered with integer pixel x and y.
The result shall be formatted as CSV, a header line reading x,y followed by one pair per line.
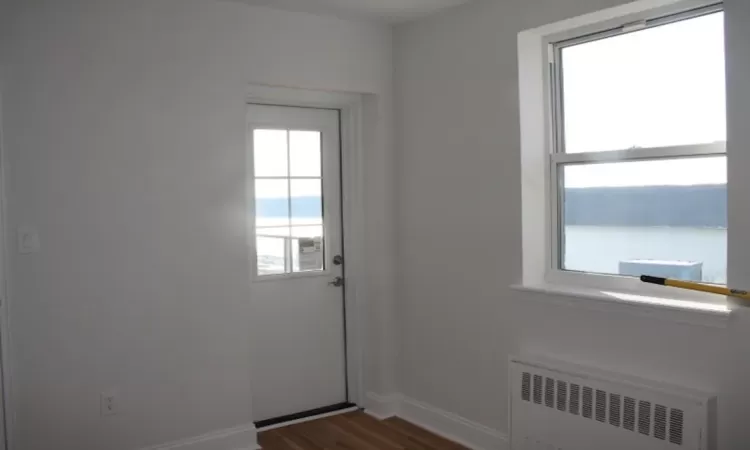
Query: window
x,y
288,201
638,165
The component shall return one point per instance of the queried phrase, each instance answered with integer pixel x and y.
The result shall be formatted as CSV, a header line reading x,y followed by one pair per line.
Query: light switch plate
x,y
28,240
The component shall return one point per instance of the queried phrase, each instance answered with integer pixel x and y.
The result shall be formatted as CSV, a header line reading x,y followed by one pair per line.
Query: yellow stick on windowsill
x,y
710,288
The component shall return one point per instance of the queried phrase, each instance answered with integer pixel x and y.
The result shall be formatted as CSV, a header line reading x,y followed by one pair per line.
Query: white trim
x,y
641,154
539,163
243,437
660,308
443,423
308,419
382,406
8,415
352,157
452,426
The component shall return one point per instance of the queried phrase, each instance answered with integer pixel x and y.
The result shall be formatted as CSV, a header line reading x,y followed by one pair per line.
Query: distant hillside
x,y
677,206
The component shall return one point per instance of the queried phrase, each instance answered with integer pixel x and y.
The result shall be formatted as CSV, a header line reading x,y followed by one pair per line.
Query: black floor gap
x,y
303,415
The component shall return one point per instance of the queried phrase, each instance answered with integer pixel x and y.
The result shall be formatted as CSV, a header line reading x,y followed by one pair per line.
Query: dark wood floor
x,y
353,431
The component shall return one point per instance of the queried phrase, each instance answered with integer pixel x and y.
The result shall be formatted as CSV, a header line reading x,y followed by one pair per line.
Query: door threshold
x,y
305,416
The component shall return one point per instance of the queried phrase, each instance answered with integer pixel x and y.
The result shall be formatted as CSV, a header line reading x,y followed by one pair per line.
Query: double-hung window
x,y
635,150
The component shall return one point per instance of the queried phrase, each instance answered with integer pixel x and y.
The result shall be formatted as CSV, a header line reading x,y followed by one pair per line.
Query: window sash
x,y
557,156
557,75
640,154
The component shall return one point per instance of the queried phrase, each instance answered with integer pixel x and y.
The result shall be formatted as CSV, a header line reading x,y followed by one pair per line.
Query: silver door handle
x,y
337,282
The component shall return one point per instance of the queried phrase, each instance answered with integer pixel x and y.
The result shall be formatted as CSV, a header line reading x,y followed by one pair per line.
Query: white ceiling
x,y
392,11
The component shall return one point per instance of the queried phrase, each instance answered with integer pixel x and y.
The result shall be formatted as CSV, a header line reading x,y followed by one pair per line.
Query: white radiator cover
x,y
556,406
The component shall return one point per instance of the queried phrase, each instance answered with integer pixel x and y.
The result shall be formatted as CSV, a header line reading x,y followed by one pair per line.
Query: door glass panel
x,y
307,202
307,249
288,201
271,202
270,148
304,153
271,254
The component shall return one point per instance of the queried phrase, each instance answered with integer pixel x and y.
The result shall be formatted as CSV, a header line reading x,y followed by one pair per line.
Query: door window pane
x,y
307,249
662,86
271,202
271,254
304,153
664,218
307,202
270,153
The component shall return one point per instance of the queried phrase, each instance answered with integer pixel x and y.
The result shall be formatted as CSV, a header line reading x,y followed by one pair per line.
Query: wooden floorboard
x,y
353,431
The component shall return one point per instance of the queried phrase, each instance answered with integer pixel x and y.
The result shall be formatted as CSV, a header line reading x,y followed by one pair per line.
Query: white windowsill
x,y
671,309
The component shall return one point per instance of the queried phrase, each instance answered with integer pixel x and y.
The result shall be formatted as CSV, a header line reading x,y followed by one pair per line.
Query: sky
x,y
657,87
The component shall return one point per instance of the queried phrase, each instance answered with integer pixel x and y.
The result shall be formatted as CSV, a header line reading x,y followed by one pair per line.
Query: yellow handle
x,y
710,288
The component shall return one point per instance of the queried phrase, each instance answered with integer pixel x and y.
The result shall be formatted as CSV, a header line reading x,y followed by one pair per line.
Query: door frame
x,y
352,214
7,415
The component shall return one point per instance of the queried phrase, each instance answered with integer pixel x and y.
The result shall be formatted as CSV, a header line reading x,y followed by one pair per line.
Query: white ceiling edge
x,y
385,11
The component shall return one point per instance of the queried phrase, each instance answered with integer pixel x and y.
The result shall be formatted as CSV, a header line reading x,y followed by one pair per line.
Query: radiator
x,y
565,407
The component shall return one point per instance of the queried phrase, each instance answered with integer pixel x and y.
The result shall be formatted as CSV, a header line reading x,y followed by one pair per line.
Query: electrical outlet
x,y
109,403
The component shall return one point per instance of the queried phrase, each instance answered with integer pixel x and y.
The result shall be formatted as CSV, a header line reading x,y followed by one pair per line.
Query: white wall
x,y
126,147
457,135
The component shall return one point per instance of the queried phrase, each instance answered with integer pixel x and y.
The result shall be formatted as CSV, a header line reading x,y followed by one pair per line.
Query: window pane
x,y
661,86
663,218
271,202
304,153
270,153
307,249
271,254
307,202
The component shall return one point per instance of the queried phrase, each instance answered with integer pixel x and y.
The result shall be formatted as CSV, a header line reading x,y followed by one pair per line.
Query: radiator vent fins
x,y
588,401
628,421
549,392
675,426
575,399
526,386
562,395
614,409
641,416
660,422
601,406
644,417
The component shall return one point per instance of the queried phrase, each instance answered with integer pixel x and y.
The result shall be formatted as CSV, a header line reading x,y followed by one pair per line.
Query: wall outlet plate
x,y
28,240
109,403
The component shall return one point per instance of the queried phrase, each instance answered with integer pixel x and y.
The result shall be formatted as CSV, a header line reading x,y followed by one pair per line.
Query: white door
x,y
297,261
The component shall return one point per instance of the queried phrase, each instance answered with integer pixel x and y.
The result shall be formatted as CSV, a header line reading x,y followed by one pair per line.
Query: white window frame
x,y
542,150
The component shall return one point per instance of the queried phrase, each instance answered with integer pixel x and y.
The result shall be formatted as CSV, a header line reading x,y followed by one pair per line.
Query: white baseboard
x,y
382,406
443,423
243,437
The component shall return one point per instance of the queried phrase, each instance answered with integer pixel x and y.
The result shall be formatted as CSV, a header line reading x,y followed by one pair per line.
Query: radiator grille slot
x,y
588,401
614,409
644,417
526,386
538,389
629,415
676,422
575,400
660,422
601,405
549,392
562,395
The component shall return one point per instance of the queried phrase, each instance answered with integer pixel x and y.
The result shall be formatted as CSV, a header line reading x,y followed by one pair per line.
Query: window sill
x,y
671,309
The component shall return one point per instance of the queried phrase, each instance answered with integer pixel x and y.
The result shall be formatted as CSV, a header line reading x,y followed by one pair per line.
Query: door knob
x,y
337,282
338,260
